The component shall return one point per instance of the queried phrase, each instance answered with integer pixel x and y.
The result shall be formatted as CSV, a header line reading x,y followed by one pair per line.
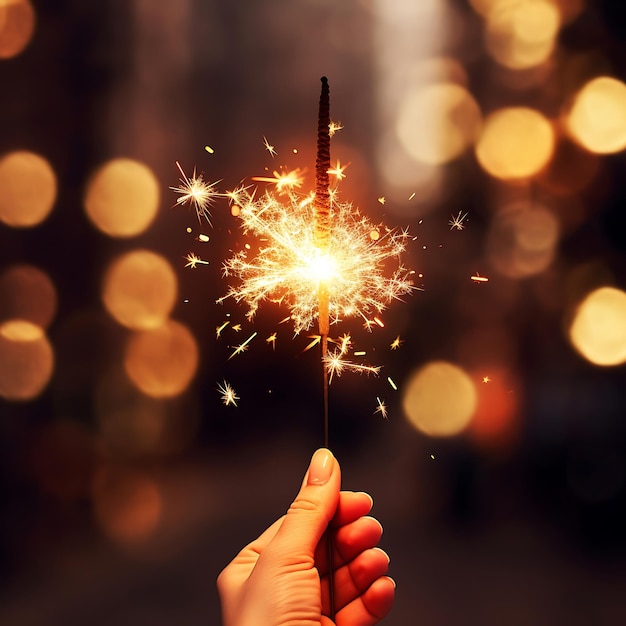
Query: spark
x,y
412,196
392,384
290,268
194,261
477,278
336,365
219,329
242,347
338,170
457,222
379,322
486,379
396,343
282,180
272,339
197,192
360,353
381,408
316,339
209,149
268,147
228,394
334,127
203,238
382,199
236,327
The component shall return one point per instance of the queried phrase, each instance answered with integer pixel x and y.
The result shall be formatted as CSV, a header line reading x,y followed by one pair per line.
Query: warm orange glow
x,y
140,289
29,189
128,505
122,198
516,143
438,122
598,330
163,361
439,399
522,240
521,35
597,119
17,25
26,360
27,293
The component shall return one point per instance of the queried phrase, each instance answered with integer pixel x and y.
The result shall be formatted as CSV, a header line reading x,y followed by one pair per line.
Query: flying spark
x,y
197,192
228,394
194,261
338,170
219,329
457,222
283,181
334,127
392,384
272,339
381,408
396,343
242,347
336,365
268,147
477,278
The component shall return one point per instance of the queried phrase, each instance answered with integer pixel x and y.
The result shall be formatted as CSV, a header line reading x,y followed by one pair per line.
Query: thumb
x,y
313,508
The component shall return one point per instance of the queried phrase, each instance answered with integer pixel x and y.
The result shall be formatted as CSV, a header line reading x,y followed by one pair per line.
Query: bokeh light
x,y
522,240
439,399
122,198
17,25
515,143
597,118
436,123
128,504
521,35
598,330
163,361
26,360
27,293
140,289
29,189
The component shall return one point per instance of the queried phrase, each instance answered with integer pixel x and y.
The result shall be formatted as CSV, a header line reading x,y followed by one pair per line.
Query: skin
x,y
281,578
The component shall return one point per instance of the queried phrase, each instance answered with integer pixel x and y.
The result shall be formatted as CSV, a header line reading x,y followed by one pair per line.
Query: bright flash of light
x,y
228,394
338,170
334,127
269,147
197,192
194,261
457,221
242,347
290,268
381,408
283,181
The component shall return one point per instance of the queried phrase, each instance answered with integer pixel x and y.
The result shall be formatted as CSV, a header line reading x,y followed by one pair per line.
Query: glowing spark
x,y
209,149
486,379
477,278
334,127
194,261
338,170
228,394
382,407
243,346
203,238
457,222
282,180
396,343
432,456
236,327
412,196
197,192
382,199
219,329
268,147
391,383
360,353
272,339
316,339
290,267
336,364
379,322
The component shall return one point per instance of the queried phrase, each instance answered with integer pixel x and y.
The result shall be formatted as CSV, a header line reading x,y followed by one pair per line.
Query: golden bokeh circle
x,y
140,289
26,360
17,26
597,118
27,293
29,189
516,143
162,362
598,330
439,399
122,198
437,123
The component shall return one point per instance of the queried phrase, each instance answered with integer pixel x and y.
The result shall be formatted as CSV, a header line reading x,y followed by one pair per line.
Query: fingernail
x,y
321,467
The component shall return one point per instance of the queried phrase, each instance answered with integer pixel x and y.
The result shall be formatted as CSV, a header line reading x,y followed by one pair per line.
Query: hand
x,y
281,579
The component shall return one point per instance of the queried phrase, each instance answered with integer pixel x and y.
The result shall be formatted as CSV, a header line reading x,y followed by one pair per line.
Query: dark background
x,y
527,529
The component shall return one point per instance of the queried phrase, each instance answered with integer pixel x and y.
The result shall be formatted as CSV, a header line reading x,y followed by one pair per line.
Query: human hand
x,y
281,578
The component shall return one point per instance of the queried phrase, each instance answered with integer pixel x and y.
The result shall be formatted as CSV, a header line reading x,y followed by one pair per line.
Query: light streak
x,y
197,192
268,147
228,394
336,365
333,128
219,329
283,181
194,261
477,278
392,384
242,347
396,343
272,339
381,408
457,222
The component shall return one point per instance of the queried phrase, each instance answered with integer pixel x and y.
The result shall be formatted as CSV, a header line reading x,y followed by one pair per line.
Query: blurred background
x,y
494,438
